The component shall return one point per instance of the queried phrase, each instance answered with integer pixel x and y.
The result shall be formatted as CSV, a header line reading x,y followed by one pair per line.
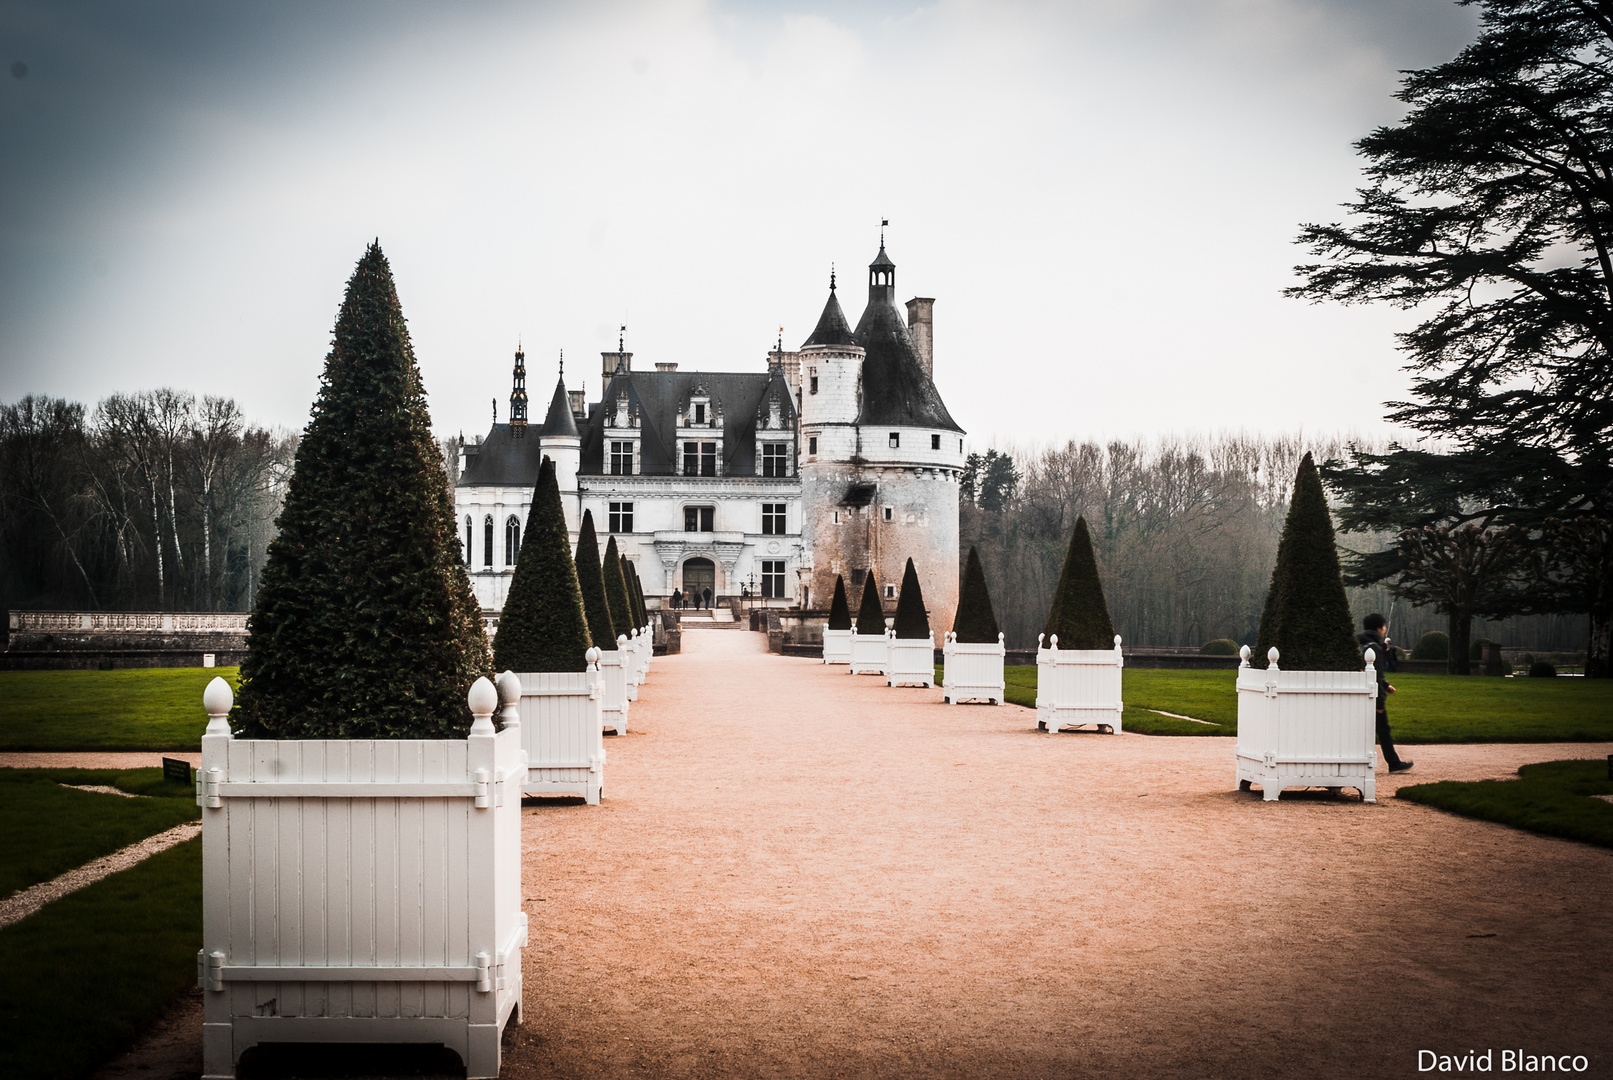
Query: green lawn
x,y
87,972
1426,708
1553,797
47,829
131,709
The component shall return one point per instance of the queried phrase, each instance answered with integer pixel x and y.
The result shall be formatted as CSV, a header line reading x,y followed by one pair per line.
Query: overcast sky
x,y
1101,196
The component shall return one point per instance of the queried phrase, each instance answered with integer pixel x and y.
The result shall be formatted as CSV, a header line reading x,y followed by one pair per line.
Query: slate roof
x,y
656,396
560,421
896,390
502,460
832,328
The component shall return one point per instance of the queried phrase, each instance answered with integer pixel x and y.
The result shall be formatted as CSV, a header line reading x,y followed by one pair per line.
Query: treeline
x,y
1185,530
150,501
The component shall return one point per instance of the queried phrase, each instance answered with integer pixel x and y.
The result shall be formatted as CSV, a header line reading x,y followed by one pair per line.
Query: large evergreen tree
x,y
635,600
621,612
1079,615
1307,615
365,625
870,615
839,610
912,620
543,626
591,576
976,622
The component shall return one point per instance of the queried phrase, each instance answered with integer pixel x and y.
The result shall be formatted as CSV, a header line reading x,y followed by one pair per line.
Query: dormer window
x,y
775,459
700,412
621,457
699,458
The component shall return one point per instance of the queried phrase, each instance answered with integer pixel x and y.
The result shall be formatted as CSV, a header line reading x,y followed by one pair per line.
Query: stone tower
x,y
559,441
880,455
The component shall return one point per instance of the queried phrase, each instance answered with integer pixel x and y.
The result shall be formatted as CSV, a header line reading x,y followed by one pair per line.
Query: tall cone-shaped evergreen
x,y
1310,622
976,622
365,626
592,579
912,620
630,579
543,626
839,610
621,614
870,616
1079,615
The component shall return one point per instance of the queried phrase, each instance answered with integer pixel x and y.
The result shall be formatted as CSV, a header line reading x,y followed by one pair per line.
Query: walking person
x,y
677,598
1375,636
705,594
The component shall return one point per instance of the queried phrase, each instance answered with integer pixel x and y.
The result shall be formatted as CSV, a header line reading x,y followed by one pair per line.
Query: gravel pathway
x,y
21,905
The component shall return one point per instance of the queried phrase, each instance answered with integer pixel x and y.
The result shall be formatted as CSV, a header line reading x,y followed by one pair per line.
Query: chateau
x,y
839,458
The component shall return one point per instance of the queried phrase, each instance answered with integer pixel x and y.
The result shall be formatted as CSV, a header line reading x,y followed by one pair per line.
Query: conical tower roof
x,y
832,328
559,421
896,389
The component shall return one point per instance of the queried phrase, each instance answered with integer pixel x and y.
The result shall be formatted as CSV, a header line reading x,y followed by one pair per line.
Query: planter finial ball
x,y
1053,641
1117,641
482,699
593,654
1272,654
1243,654
218,699
509,688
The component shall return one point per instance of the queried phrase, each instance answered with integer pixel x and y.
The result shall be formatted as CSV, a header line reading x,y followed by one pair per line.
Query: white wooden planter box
x,y
613,668
837,646
1306,728
563,731
360,890
912,660
869,653
1077,686
973,669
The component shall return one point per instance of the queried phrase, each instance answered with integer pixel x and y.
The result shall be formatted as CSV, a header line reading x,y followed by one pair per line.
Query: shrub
x,y
912,621
839,610
1079,615
1542,669
592,580
1307,615
870,616
621,613
976,622
365,625
1434,645
1219,647
543,626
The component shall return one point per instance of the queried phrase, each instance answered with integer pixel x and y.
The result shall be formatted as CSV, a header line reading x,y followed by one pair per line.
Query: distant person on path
x,y
1375,636
705,594
677,598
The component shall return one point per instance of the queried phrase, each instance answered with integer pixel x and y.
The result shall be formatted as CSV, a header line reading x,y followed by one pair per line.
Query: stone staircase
x,y
707,619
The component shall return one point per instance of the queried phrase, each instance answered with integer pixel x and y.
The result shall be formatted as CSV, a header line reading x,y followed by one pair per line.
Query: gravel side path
x,y
800,873
96,759
19,906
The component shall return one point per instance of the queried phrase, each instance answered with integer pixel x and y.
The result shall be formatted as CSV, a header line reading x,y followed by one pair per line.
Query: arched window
x,y
470,539
512,540
487,542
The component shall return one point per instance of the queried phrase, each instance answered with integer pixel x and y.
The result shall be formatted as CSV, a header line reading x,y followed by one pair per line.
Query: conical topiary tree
x,y
1079,615
839,610
976,622
543,626
634,601
870,616
621,614
912,620
591,576
1310,619
364,626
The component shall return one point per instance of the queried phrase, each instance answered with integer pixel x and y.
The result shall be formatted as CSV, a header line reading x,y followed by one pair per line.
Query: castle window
x,y
935,442
896,439
512,540
773,579
774,460
812,445
890,592
487,542
773,519
837,517
889,514
699,518
621,458
470,539
699,459
814,384
621,517
700,412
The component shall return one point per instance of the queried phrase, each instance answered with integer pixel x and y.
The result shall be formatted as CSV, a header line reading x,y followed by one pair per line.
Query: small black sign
x,y
175,769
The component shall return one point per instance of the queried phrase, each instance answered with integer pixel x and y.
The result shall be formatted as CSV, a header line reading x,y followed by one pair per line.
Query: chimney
x,y
579,408
919,319
663,366
609,360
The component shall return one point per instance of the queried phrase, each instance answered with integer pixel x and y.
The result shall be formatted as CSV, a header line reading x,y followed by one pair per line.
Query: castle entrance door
x,y
698,576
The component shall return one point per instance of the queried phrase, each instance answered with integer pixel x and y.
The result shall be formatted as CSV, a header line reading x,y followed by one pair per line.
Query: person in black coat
x,y
1375,637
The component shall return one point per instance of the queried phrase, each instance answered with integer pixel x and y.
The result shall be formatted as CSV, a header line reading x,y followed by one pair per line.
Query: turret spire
x,y
518,394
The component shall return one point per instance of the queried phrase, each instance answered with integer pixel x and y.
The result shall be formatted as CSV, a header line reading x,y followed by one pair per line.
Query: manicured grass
x,y
46,829
85,974
131,709
1552,797
1426,708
